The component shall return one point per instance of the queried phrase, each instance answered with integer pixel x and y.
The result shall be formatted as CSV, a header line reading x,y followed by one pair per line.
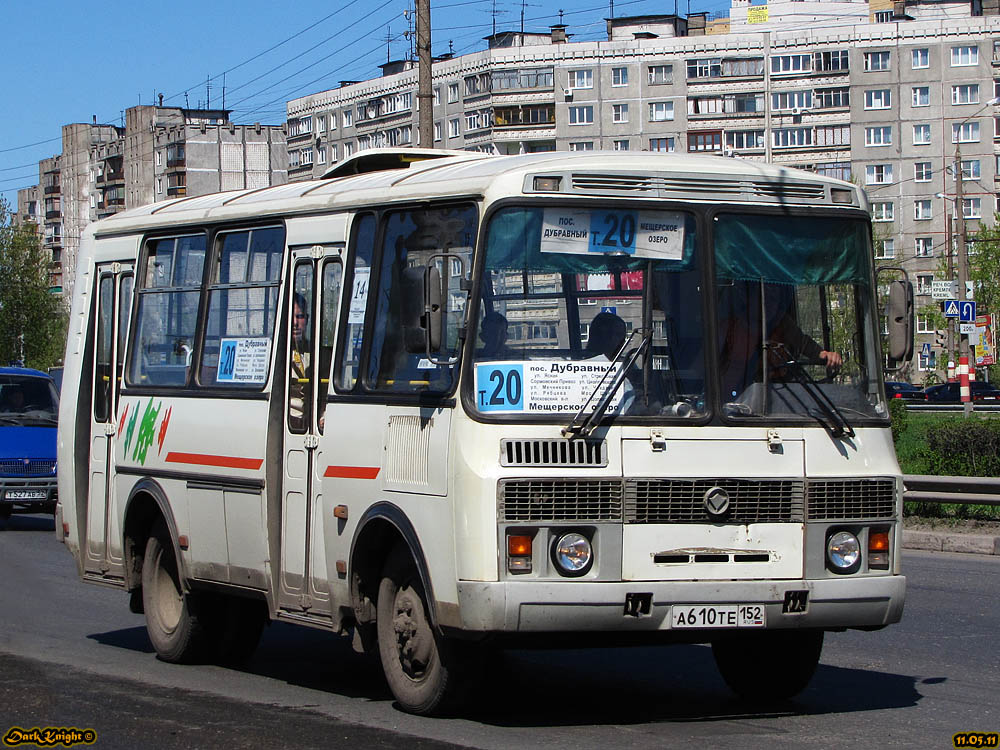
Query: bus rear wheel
x,y
174,628
769,665
415,659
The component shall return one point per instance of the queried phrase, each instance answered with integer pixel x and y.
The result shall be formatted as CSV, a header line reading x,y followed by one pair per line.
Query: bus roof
x,y
595,173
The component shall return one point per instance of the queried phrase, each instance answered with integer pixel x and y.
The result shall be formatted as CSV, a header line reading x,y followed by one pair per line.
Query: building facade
x,y
884,104
160,153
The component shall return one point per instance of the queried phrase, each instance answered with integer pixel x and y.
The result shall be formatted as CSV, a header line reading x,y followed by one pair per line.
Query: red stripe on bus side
x,y
352,472
205,459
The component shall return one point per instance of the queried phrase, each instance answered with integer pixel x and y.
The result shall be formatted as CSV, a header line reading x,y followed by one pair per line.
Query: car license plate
x,y
718,616
25,494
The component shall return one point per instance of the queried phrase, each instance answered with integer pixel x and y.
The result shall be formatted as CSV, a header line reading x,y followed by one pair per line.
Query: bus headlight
x,y
843,552
573,554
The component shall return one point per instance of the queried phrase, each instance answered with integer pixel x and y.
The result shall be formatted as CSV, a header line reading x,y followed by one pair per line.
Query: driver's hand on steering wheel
x,y
833,360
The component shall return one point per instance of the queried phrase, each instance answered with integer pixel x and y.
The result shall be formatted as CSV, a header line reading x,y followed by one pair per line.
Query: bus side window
x,y
362,248
330,291
102,355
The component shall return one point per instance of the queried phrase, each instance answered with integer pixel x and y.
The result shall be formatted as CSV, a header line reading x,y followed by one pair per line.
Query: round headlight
x,y
843,550
573,554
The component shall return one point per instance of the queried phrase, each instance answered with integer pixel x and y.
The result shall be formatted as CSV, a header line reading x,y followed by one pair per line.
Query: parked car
x,y
908,391
948,393
29,411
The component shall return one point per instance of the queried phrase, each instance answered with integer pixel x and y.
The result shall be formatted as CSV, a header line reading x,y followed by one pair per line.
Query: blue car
x,y
29,411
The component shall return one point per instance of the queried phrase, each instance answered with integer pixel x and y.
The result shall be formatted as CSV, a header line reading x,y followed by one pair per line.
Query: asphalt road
x,y
71,654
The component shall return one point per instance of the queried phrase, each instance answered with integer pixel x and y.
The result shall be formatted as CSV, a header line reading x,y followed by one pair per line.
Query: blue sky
x,y
75,60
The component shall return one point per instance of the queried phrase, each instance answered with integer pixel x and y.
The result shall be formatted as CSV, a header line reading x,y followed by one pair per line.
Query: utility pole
x,y
425,98
963,275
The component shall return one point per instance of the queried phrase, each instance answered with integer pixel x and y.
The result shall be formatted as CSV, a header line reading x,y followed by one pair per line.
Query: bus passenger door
x,y
113,302
315,287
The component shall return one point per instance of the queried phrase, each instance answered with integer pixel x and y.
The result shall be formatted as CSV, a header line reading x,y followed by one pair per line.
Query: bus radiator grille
x,y
683,500
561,500
844,499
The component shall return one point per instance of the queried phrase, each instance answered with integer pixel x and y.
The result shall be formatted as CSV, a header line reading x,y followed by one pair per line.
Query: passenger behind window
x,y
493,334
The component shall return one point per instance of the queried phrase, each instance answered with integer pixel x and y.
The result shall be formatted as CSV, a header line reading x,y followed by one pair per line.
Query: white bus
x,y
450,404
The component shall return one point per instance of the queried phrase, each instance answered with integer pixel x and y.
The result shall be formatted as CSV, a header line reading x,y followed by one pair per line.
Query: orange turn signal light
x,y
519,546
878,541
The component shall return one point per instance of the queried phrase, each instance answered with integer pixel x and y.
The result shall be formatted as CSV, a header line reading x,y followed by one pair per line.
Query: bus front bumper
x,y
558,606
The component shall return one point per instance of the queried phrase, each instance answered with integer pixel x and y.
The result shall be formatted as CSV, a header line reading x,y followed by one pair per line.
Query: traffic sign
x,y
951,308
967,328
926,349
967,312
944,289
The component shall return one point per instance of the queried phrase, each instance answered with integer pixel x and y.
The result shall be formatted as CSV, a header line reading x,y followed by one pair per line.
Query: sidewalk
x,y
951,541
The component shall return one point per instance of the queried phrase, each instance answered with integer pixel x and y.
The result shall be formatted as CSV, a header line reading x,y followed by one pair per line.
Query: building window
x,y
972,208
581,79
621,145
437,131
922,134
970,169
832,61
924,283
878,136
333,152
882,211
833,135
839,169
661,111
348,149
619,76
832,98
965,132
883,16
658,74
454,128
922,171
619,113
740,140
927,361
964,55
706,140
791,64
581,115
582,146
452,93
921,96
921,58
924,324
922,210
876,61
708,67
321,123
791,137
965,93
923,247
665,145
333,122
348,118
878,99
321,155
878,174
159,184
293,159
791,100
885,249
437,96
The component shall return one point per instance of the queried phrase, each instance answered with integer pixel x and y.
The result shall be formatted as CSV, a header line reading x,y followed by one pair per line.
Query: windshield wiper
x,y
835,423
607,389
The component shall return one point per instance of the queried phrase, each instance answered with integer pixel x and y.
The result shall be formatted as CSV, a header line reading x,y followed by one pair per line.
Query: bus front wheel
x,y
416,660
174,629
768,665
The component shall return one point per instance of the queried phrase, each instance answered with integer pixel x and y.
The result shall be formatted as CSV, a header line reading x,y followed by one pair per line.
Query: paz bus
x,y
445,402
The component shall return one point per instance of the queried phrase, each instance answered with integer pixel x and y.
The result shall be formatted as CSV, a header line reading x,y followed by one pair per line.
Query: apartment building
x,y
882,103
159,154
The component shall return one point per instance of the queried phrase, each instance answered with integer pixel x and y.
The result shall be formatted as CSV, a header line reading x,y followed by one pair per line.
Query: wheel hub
x,y
414,640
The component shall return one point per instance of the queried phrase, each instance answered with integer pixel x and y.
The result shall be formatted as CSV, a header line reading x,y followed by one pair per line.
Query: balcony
x,y
53,214
51,189
111,178
177,191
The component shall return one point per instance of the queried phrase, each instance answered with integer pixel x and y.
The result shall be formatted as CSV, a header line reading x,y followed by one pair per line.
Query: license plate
x,y
702,616
25,494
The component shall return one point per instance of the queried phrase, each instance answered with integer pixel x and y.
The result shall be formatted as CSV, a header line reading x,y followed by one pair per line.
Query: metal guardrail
x,y
953,408
923,488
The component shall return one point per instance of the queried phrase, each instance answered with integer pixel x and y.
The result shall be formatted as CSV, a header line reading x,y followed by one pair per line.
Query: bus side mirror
x,y
900,315
422,311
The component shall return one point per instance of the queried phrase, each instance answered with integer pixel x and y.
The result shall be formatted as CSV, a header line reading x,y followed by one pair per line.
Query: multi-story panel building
x,y
160,153
884,104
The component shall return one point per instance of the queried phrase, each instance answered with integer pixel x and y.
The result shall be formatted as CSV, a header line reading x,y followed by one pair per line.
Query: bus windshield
x,y
796,331
568,294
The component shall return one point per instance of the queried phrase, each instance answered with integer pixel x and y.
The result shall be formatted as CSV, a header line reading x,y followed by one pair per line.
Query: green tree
x,y
984,272
32,320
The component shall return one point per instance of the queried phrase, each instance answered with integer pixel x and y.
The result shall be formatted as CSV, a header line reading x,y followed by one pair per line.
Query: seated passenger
x,y
605,342
13,399
493,334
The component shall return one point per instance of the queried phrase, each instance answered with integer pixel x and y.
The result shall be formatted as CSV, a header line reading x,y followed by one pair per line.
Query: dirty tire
x,y
771,665
415,659
176,632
